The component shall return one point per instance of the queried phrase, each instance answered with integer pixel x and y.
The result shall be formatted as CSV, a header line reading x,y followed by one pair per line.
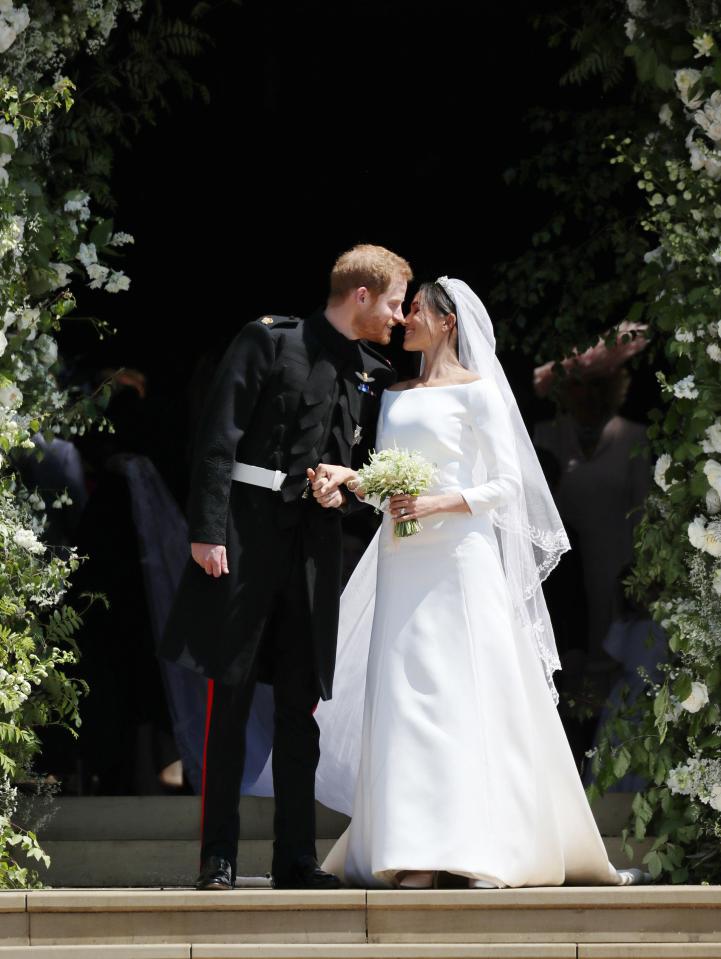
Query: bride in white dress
x,y
455,758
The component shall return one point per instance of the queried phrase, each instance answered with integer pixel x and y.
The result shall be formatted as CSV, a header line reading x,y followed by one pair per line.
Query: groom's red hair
x,y
374,267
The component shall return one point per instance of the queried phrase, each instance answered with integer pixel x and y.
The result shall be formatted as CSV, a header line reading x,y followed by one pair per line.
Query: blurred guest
x,y
601,485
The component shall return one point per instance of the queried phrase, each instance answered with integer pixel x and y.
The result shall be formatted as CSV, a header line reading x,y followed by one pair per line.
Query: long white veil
x,y
531,541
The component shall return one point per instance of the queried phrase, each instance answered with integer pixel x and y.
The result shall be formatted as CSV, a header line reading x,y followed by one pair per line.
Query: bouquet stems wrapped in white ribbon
x,y
393,471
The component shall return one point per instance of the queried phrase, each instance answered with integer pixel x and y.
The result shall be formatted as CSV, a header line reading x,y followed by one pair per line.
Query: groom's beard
x,y
377,332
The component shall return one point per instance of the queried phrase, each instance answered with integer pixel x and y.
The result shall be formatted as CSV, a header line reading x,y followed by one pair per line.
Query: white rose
x,y
117,282
659,472
18,19
712,471
712,165
716,581
679,780
10,396
62,271
713,502
696,532
703,45
714,351
27,539
87,254
8,36
47,349
685,388
713,436
685,80
696,699
98,274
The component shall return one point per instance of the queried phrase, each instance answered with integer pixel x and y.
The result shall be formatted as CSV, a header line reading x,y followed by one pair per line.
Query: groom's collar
x,y
331,338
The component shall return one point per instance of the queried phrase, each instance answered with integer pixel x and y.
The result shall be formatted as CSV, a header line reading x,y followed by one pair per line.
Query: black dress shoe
x,y
305,873
216,873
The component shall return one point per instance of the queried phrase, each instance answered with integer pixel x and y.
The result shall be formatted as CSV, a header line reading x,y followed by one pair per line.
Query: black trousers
x,y
286,653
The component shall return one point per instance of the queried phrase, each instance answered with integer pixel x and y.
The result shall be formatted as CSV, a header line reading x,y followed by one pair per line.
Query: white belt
x,y
258,476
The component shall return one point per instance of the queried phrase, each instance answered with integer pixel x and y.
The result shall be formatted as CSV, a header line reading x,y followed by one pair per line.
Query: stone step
x,y
151,817
648,922
178,817
174,863
371,951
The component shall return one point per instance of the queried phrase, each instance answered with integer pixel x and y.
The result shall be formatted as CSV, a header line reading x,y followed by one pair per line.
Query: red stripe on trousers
x,y
208,711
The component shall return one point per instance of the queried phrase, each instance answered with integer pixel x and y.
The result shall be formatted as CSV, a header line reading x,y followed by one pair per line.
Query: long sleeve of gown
x,y
496,441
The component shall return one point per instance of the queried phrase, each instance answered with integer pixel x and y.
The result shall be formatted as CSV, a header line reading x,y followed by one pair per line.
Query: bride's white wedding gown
x,y
463,764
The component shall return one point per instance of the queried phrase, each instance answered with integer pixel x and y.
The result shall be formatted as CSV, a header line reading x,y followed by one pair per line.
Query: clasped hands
x,y
326,481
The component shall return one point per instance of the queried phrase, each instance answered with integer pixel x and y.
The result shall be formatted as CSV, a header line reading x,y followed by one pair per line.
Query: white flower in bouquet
x,y
685,336
714,351
665,115
392,471
714,799
716,581
713,502
697,698
659,472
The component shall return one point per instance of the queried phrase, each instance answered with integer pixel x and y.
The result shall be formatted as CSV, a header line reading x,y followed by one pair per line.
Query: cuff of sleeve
x,y
476,504
374,501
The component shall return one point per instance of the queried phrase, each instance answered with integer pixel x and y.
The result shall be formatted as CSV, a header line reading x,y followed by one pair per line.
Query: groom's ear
x,y
362,294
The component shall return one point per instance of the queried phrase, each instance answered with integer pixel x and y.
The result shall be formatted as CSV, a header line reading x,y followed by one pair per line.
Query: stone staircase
x,y
658,922
128,841
125,842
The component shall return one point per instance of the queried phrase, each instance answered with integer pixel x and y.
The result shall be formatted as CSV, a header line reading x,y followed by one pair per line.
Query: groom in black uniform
x,y
259,598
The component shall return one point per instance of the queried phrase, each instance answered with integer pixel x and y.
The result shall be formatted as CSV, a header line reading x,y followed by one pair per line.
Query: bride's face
x,y
424,326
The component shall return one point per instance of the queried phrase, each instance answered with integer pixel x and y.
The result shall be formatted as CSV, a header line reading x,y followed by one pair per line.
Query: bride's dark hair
x,y
436,297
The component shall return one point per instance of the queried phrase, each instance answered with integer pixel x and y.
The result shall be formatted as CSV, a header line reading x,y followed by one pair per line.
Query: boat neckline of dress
x,y
441,386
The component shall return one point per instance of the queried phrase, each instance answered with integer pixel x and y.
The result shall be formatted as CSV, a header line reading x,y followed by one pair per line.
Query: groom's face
x,y
377,314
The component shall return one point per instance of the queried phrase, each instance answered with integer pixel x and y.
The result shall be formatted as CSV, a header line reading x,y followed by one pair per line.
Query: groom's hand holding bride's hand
x,y
326,480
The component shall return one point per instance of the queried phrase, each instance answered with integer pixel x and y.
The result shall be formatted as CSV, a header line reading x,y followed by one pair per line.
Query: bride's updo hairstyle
x,y
437,299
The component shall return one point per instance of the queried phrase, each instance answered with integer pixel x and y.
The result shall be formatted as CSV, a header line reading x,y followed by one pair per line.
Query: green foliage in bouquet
x,y
392,471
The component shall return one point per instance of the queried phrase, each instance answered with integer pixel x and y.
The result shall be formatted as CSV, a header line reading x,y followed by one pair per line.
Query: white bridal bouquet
x,y
393,471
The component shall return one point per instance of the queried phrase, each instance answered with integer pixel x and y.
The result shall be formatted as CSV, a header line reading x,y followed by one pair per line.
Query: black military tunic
x,y
289,393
